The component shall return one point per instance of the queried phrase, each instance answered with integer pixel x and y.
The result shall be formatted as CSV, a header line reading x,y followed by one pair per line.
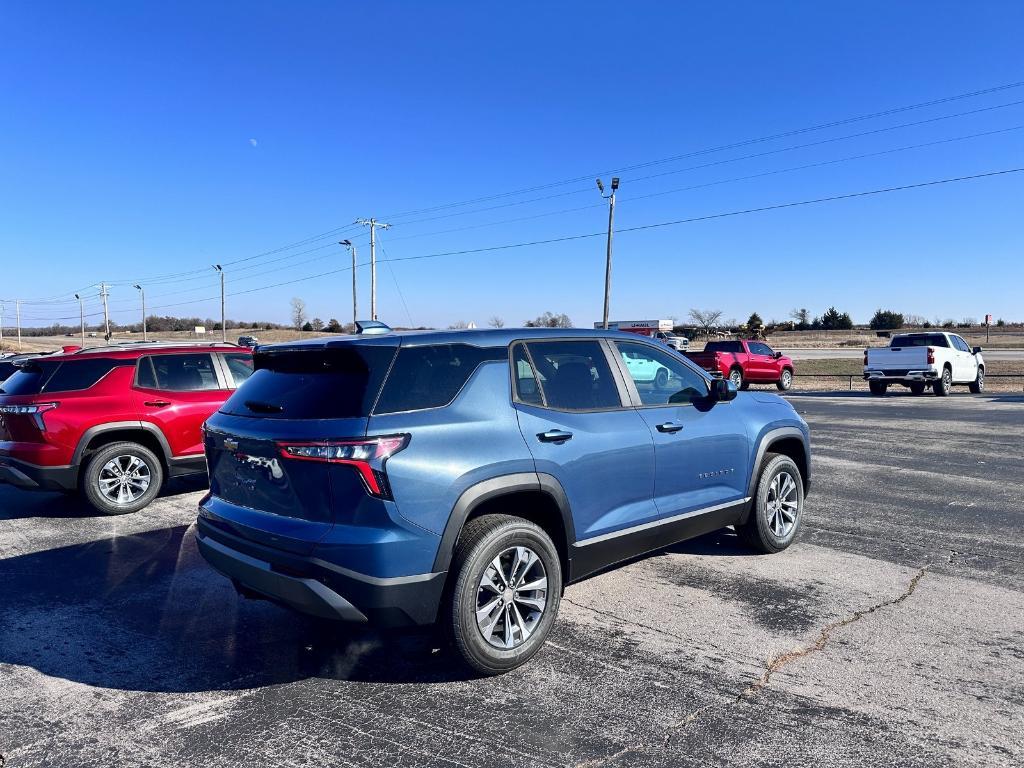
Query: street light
x,y
145,333
608,255
223,319
351,246
81,315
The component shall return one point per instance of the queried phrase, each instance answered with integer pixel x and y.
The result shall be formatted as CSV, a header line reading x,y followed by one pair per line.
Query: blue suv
x,y
466,477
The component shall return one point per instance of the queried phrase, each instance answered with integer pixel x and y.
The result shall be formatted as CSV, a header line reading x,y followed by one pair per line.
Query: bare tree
x,y
496,322
317,323
706,319
298,313
549,320
459,325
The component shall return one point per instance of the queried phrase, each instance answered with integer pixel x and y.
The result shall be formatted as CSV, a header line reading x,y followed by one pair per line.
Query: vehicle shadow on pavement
x,y
64,506
144,612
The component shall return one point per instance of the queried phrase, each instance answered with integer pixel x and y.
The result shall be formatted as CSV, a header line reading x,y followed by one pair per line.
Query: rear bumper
x,y
900,376
34,477
312,586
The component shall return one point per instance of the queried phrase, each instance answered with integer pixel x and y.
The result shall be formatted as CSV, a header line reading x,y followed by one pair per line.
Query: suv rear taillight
x,y
361,454
931,356
35,411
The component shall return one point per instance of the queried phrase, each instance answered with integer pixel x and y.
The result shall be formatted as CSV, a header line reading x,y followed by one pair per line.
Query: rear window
x,y
29,378
724,346
920,340
321,383
431,376
36,377
6,369
191,372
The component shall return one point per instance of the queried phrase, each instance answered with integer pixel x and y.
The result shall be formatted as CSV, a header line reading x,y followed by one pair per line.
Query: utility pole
x,y
145,333
223,316
355,309
608,255
1,327
17,309
106,313
373,224
81,316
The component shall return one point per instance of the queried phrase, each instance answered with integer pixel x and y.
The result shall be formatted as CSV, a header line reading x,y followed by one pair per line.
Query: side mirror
x,y
777,355
977,350
722,390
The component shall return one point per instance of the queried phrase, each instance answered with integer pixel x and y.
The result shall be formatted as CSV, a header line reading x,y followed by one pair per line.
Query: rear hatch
x,y
265,482
898,358
20,407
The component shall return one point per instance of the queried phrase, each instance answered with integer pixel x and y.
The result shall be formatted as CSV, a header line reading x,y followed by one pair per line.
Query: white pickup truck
x,y
919,360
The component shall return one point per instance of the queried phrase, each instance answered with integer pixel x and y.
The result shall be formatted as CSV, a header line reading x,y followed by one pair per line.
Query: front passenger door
x,y
701,450
580,431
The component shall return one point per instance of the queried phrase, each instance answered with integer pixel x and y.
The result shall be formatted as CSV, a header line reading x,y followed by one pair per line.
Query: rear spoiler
x,y
371,328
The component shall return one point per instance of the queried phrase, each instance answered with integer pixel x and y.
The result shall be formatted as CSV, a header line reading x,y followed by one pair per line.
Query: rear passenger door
x,y
177,392
579,430
701,450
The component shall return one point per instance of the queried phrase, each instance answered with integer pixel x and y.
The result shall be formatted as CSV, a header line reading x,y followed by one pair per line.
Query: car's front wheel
x,y
978,385
785,380
121,478
504,600
778,506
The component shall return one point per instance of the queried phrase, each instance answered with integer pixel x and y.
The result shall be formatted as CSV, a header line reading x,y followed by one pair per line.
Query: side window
x,y
574,375
661,378
239,367
431,376
79,375
960,344
527,385
178,373
757,348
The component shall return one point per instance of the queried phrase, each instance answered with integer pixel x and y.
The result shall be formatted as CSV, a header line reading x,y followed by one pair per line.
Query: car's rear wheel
x,y
778,506
121,478
978,385
785,380
504,600
736,374
943,386
917,388
878,388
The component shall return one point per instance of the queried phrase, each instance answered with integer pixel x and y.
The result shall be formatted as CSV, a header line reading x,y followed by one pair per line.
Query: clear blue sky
x,y
142,139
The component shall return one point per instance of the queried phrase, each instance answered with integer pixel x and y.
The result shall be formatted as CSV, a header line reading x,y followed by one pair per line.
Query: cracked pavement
x,y
891,633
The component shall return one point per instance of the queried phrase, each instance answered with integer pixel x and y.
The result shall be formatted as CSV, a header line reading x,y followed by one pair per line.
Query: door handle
x,y
669,426
554,436
157,403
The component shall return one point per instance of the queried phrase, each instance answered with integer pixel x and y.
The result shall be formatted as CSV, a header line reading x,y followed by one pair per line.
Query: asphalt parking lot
x,y
891,633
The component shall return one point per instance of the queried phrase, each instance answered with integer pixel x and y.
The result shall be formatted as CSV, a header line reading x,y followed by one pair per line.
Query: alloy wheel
x,y
511,597
124,479
783,504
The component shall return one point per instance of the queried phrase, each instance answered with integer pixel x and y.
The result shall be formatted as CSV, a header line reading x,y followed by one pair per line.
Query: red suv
x,y
114,422
746,363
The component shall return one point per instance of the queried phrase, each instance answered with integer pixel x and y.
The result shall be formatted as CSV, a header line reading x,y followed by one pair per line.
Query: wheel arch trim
x,y
120,426
493,488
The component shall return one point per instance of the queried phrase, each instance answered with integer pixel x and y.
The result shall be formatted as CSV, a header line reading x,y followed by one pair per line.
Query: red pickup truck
x,y
746,363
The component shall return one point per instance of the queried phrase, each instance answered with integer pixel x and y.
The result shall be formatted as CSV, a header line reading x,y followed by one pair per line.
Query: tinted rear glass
x,y
6,369
920,340
332,383
429,377
76,375
28,379
723,346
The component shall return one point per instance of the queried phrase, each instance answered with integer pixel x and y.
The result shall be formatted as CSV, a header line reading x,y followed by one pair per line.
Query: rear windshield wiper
x,y
258,407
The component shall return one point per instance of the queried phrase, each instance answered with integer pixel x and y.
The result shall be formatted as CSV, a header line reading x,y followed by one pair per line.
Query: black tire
x,y
978,385
483,541
736,374
943,386
878,388
761,531
95,476
661,378
785,381
917,388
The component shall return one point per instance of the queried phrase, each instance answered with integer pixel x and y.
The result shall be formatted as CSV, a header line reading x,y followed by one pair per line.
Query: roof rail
x,y
130,345
371,328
